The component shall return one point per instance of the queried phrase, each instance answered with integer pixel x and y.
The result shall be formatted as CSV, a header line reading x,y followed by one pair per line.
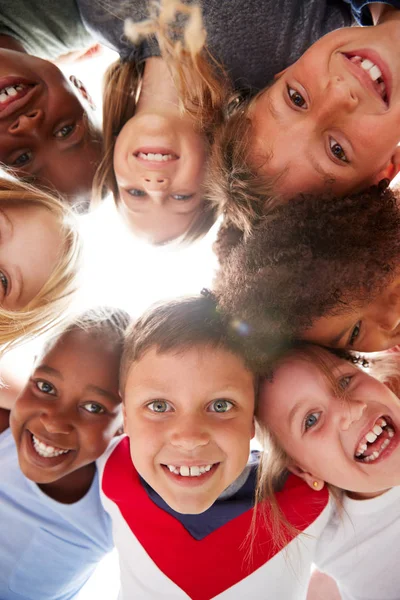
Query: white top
x,y
359,548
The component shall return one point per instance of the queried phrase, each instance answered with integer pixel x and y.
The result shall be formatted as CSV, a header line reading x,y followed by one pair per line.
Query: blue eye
x,y
221,406
45,387
4,282
22,159
182,197
311,420
136,193
159,406
94,408
65,131
344,382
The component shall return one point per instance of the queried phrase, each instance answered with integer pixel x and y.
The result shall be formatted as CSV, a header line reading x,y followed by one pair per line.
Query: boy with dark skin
x,y
46,135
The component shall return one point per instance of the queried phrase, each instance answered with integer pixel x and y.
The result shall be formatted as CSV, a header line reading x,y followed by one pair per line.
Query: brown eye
x,y
337,150
296,98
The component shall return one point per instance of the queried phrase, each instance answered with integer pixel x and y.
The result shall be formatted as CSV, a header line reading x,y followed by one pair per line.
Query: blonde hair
x,y
49,305
198,78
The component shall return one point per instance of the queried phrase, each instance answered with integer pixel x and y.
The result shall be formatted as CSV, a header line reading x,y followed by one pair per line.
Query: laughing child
x,y
53,528
179,487
325,419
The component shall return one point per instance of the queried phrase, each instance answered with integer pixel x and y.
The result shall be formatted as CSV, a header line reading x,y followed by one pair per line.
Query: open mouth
x,y
191,471
46,451
377,78
375,441
12,93
156,155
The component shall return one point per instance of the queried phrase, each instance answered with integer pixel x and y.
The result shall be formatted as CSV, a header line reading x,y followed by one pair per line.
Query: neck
x,y
158,92
366,496
72,487
10,43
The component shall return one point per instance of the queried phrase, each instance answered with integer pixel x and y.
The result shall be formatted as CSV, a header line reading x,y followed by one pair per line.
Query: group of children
x,y
180,486
191,511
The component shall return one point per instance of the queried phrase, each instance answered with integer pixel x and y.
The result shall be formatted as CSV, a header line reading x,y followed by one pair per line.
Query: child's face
x,y
351,442
369,328
30,248
189,417
44,131
159,165
324,123
69,410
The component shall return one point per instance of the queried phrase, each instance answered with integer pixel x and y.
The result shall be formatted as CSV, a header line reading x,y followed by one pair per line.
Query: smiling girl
x,y
39,257
324,418
53,529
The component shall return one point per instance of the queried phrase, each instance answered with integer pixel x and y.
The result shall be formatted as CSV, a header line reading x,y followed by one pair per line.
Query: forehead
x,y
203,367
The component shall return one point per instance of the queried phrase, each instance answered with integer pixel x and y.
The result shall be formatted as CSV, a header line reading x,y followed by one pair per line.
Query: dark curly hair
x,y
313,256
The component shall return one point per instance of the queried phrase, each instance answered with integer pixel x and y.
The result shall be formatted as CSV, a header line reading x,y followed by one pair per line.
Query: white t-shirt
x,y
359,548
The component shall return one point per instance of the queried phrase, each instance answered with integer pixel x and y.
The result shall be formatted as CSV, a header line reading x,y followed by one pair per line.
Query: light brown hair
x,y
177,326
199,81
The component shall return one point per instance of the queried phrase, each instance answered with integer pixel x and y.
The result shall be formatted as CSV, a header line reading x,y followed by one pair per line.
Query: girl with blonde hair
x,y
39,257
325,418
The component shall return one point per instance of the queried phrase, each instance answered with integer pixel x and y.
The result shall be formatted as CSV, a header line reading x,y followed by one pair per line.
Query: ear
x,y
315,483
391,169
82,91
124,415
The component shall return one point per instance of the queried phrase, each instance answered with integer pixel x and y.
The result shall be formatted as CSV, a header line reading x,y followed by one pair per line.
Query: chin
x,y
190,508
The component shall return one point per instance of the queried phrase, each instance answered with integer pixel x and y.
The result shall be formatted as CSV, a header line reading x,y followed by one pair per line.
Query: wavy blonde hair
x,y
49,305
200,82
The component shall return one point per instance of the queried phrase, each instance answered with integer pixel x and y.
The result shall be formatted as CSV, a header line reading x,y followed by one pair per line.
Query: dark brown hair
x,y
314,256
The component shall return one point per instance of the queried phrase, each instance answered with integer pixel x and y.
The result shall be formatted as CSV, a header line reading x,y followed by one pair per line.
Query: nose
x,y
350,411
155,182
27,122
56,422
339,95
189,434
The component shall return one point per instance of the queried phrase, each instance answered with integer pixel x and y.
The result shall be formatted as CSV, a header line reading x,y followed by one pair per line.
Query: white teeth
x,y
3,97
375,73
381,422
46,451
155,157
367,64
370,437
377,429
11,91
185,471
390,432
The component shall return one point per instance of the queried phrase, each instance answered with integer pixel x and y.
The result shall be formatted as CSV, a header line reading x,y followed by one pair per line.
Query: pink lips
x,y
364,78
21,100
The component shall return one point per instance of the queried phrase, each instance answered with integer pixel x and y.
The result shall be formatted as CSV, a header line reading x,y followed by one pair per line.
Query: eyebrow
x,y
328,177
104,393
50,371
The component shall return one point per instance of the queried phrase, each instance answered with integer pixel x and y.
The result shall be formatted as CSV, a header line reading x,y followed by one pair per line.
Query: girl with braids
x,y
39,258
321,269
323,417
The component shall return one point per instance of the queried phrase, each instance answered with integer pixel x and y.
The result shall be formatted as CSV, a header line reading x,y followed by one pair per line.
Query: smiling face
x,y
159,165
332,119
44,131
369,328
30,246
189,417
69,410
350,441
